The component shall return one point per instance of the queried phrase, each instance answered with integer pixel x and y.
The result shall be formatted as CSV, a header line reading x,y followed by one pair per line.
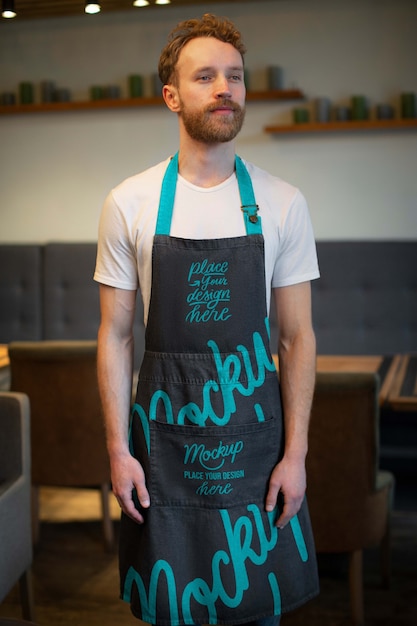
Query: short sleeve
x,y
296,260
116,258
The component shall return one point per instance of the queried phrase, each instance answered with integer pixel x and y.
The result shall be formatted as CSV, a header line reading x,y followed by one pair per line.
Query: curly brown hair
x,y
208,26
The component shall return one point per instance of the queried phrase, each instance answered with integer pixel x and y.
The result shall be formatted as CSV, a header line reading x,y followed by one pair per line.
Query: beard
x,y
210,129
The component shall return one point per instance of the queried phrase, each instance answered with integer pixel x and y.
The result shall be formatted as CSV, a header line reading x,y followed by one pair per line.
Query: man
x,y
210,475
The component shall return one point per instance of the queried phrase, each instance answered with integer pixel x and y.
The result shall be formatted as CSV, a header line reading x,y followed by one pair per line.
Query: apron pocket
x,y
215,467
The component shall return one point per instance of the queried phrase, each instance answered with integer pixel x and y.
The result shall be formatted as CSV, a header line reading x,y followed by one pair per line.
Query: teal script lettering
x,y
250,539
230,370
200,453
207,298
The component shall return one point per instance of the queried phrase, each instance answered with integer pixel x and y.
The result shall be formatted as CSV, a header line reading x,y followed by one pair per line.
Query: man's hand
x,y
127,474
289,479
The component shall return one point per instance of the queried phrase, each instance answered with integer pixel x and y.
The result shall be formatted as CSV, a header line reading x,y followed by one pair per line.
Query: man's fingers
x,y
127,503
130,490
291,508
284,518
143,495
272,496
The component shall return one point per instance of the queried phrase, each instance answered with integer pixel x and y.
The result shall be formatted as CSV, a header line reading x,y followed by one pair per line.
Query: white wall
x,y
56,168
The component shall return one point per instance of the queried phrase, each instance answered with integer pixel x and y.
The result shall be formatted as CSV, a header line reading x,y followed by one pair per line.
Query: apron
x,y
207,428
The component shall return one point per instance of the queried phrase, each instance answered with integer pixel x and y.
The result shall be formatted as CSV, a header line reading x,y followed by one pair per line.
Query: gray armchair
x,y
15,486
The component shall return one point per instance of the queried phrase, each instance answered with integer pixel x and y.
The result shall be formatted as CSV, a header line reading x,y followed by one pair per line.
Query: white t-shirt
x,y
128,220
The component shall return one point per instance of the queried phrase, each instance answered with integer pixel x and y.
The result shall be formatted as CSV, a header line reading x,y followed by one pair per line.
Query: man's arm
x,y
297,364
115,371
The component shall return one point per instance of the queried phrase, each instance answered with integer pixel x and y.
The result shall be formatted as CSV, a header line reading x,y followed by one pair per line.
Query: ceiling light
x,y
8,9
92,7
162,1
140,3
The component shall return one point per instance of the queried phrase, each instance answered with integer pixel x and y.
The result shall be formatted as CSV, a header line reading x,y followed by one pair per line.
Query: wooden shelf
x,y
120,103
352,125
283,94
93,105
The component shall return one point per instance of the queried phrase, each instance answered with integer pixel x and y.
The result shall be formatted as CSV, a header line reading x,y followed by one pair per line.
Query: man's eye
x,y
237,78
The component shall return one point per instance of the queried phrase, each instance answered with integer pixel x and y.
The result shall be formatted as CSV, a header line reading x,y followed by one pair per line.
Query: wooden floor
x,y
76,581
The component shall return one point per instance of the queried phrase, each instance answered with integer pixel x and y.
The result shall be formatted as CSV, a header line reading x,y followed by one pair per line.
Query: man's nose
x,y
222,87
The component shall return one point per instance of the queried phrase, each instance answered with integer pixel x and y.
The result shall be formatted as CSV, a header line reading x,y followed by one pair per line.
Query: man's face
x,y
211,90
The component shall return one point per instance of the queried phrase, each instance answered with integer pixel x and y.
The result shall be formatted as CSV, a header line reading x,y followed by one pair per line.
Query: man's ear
x,y
171,97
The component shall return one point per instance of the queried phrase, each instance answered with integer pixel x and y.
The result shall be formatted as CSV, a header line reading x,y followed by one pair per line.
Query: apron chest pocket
x,y
214,467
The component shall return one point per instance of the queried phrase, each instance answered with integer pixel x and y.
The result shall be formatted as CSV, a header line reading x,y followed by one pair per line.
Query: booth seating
x,y
364,303
15,528
48,293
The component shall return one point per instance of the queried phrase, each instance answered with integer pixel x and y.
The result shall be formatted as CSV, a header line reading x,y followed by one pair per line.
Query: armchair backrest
x,y
15,511
14,436
342,460
68,441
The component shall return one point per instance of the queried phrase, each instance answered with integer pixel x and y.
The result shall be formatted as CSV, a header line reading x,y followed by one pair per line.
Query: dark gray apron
x,y
207,428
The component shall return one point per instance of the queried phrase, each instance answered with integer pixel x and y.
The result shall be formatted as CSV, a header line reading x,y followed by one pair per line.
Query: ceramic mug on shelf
x,y
360,110
342,113
47,91
62,95
322,109
408,105
96,92
26,93
112,92
301,116
384,112
8,98
135,86
156,85
275,78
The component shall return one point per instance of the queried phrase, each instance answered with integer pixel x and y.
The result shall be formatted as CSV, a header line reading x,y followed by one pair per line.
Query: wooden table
x,y
4,357
398,374
4,368
402,395
386,367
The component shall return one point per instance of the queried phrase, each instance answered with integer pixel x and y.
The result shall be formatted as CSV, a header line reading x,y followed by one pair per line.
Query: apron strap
x,y
247,197
167,198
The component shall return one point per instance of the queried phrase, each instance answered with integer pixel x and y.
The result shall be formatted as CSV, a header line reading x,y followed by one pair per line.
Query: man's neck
x,y
206,166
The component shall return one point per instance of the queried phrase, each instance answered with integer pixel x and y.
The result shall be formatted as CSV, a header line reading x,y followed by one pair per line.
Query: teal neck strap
x,y
169,184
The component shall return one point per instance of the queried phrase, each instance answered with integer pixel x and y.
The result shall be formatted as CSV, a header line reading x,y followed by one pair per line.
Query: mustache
x,y
225,102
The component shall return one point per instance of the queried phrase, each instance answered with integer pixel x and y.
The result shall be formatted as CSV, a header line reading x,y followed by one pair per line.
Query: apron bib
x,y
207,428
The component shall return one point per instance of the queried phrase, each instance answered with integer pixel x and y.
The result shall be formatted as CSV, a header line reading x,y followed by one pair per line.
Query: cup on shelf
x,y
135,86
96,92
360,109
384,112
301,116
275,78
26,93
322,109
8,98
112,92
408,105
47,91
342,113
62,94
156,85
